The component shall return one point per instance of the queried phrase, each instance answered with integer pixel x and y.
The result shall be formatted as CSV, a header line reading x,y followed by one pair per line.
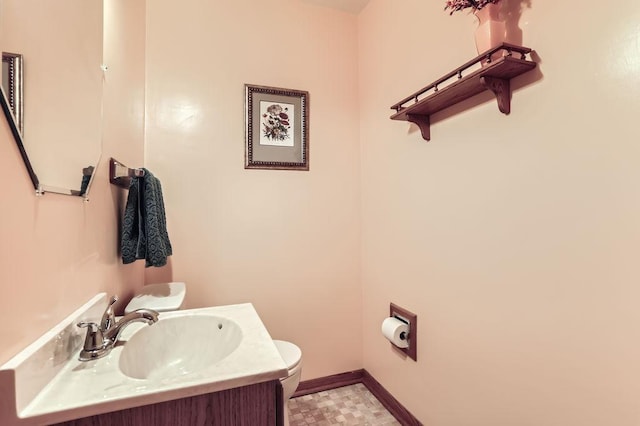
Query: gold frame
x,y
12,83
289,154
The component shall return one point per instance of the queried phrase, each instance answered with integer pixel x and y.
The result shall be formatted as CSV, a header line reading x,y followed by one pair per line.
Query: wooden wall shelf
x,y
494,75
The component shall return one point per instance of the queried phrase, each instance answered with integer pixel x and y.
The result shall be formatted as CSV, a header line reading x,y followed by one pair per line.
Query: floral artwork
x,y
277,128
456,5
277,123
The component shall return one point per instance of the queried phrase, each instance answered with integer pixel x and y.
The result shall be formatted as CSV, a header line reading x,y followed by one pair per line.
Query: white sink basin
x,y
185,353
176,346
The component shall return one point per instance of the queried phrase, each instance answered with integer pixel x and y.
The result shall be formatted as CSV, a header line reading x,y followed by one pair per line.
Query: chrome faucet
x,y
101,338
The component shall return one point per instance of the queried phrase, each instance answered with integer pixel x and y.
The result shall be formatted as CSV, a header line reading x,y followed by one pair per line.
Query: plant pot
x,y
491,31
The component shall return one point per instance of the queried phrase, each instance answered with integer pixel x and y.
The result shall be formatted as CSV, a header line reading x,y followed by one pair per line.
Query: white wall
x,y
56,251
513,238
287,241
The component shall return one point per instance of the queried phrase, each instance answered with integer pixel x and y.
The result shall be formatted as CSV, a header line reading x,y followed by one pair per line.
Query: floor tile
x,y
348,405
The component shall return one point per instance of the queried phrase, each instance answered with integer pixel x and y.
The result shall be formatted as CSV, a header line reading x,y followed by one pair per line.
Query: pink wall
x,y
287,241
514,238
58,251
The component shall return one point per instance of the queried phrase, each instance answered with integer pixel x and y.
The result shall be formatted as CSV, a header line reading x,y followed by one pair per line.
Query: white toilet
x,y
292,356
163,297
167,297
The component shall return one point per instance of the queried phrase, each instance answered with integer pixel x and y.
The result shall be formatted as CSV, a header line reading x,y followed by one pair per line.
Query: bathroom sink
x,y
185,353
179,345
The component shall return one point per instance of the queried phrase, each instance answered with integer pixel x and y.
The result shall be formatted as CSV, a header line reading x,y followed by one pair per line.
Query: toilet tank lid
x,y
290,353
160,297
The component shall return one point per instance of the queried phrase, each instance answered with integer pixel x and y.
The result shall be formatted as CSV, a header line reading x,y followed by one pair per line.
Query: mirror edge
x,y
13,90
18,140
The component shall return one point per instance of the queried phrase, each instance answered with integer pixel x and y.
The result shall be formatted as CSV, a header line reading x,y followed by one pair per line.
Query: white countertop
x,y
82,389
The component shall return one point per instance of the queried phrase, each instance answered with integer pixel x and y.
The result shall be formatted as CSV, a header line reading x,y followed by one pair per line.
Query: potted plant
x,y
491,30
456,5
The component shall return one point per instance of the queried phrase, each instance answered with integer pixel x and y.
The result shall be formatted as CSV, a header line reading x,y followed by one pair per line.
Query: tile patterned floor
x,y
348,405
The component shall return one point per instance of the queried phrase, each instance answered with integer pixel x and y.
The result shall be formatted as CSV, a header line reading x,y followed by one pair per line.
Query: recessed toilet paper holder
x,y
411,320
404,335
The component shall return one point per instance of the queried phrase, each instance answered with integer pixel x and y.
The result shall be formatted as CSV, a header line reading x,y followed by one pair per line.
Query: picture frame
x,y
12,85
277,128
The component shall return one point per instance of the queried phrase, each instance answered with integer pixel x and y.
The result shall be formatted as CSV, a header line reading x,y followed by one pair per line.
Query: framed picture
x,y
12,85
277,128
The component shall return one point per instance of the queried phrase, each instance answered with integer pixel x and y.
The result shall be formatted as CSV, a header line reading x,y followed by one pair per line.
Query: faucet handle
x,y
109,318
92,326
93,342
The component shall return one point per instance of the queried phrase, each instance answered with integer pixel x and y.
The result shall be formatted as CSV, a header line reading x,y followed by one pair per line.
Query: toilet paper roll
x,y
396,332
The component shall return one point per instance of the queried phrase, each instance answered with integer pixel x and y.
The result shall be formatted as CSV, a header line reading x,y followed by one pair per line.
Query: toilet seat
x,y
290,353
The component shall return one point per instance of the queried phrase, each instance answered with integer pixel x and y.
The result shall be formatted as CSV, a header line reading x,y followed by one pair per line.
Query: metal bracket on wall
x,y
120,175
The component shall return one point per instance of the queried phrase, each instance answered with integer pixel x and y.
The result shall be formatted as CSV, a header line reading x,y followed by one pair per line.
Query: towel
x,y
144,228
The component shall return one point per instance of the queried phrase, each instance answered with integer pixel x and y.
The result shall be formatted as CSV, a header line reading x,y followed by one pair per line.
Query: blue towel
x,y
144,228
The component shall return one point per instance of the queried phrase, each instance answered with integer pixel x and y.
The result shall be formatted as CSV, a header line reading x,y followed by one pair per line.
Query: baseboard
x,y
329,382
390,403
359,376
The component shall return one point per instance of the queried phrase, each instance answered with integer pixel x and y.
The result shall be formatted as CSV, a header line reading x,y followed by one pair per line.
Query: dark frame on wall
x,y
17,137
277,128
12,85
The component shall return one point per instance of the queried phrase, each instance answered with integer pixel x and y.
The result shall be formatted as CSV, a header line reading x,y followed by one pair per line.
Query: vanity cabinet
x,y
252,405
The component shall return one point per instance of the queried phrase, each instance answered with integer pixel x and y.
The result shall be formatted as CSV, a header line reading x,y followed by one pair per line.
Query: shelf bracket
x,y
501,89
423,122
